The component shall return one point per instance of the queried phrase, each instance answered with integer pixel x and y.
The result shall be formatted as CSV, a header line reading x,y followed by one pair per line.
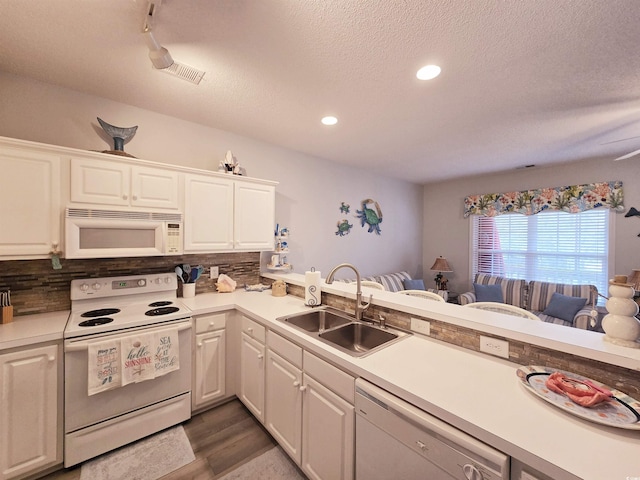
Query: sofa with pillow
x,y
395,282
558,303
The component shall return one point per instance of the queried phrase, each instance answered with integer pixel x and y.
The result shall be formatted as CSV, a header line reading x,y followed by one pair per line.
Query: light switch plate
x,y
214,273
493,346
420,326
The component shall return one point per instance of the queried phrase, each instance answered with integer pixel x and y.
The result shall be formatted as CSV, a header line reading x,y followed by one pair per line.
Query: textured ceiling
x,y
523,82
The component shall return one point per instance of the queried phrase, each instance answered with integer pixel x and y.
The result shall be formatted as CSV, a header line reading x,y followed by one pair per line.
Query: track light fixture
x,y
160,56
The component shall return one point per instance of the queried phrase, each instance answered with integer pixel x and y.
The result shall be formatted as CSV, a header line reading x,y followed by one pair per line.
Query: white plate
x,y
622,411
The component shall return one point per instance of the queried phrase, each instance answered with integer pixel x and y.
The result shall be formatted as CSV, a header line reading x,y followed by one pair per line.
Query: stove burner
x,y
160,304
161,311
101,312
96,321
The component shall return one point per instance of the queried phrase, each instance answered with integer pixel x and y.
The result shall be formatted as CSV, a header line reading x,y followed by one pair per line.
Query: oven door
x,y
82,410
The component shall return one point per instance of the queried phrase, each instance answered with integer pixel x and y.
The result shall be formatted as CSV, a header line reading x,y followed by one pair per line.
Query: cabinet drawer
x,y
286,349
210,322
253,329
331,377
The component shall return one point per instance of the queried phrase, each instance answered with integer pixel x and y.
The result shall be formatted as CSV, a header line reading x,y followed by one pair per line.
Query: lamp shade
x,y
441,265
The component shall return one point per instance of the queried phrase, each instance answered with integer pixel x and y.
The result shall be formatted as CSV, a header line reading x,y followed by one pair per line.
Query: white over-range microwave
x,y
96,233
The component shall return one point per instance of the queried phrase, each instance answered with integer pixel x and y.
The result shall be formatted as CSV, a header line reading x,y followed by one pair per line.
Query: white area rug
x,y
271,465
146,459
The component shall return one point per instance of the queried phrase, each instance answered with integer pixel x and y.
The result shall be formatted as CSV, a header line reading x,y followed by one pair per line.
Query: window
x,y
556,247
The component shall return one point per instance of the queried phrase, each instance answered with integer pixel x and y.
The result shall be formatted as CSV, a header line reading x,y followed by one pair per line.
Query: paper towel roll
x,y
312,292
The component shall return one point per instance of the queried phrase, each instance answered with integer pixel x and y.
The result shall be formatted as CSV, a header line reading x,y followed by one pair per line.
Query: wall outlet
x,y
420,326
214,273
499,348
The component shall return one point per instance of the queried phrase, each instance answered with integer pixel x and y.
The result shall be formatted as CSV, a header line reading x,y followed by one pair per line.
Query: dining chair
x,y
503,308
423,294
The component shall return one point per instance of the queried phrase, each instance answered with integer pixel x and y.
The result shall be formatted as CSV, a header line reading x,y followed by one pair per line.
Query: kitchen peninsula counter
x,y
476,393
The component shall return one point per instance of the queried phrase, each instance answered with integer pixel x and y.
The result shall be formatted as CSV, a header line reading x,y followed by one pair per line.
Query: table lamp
x,y
441,265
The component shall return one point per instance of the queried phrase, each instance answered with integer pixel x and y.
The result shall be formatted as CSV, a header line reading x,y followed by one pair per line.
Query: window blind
x,y
556,247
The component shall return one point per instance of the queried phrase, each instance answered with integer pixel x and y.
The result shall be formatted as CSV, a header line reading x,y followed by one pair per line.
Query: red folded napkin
x,y
582,392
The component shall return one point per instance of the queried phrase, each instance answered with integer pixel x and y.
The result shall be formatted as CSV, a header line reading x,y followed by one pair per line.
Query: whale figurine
x,y
119,134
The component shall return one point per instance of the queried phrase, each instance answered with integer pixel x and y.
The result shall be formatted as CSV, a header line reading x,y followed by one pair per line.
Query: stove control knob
x,y
167,280
158,280
84,287
142,282
96,286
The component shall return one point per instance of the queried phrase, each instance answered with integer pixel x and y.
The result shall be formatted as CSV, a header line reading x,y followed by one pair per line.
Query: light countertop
x,y
30,329
477,393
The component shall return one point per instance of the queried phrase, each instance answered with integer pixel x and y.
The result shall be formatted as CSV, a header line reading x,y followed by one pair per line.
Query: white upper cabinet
x,y
105,182
254,219
224,214
208,219
29,203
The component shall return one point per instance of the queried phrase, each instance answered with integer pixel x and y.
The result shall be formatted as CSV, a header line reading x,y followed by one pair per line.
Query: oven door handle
x,y
84,345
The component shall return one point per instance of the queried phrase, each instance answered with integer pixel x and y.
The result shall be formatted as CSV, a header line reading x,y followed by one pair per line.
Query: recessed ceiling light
x,y
428,72
329,120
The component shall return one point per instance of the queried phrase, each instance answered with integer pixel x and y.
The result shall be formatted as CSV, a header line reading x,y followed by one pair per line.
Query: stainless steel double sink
x,y
342,331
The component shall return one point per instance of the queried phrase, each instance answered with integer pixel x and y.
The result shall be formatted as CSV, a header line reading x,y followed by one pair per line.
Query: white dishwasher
x,y
394,439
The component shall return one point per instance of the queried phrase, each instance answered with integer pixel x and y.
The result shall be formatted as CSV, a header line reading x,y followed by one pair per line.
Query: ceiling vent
x,y
184,72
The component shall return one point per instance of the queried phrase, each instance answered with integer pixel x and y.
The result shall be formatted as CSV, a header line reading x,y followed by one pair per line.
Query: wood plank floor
x,y
222,439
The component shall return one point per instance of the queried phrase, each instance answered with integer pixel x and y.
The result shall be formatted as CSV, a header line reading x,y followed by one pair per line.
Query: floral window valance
x,y
572,199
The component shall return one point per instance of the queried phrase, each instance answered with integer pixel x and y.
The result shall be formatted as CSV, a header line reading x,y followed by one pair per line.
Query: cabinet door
x,y
254,216
100,182
28,411
154,187
209,367
328,433
29,202
208,215
252,375
284,404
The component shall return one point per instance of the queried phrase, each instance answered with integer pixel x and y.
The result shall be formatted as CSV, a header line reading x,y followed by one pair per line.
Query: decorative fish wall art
x,y
633,213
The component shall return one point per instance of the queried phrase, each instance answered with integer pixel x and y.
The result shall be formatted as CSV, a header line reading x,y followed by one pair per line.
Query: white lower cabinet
x,y
209,359
328,433
252,371
313,423
284,404
30,406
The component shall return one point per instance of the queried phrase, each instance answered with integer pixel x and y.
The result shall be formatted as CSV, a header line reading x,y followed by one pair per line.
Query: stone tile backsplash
x,y
37,288
626,380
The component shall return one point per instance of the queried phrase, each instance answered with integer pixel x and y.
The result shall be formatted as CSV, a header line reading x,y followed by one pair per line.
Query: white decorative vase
x,y
620,324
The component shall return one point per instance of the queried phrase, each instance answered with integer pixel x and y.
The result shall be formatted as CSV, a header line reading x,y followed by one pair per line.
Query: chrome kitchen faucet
x,y
360,307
